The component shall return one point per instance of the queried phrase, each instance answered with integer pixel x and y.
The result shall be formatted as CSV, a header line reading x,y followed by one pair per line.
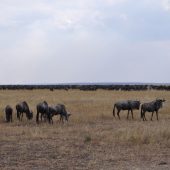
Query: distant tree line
x,y
86,87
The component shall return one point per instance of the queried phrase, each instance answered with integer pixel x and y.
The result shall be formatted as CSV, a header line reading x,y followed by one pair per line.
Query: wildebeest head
x,y
30,115
163,100
159,102
68,115
138,104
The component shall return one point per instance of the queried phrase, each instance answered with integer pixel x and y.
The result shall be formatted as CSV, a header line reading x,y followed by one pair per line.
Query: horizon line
x,y
86,83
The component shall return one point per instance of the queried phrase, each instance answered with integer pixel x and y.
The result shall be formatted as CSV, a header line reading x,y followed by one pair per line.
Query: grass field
x,y
92,139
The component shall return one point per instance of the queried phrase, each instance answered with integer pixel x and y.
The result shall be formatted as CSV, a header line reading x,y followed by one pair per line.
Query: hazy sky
x,y
66,41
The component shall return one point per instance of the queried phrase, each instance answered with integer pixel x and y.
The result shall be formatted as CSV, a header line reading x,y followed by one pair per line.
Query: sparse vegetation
x,y
92,139
87,138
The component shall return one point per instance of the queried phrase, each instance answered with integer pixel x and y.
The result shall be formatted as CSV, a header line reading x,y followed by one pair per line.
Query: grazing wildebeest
x,y
153,106
44,110
59,109
8,113
129,105
23,108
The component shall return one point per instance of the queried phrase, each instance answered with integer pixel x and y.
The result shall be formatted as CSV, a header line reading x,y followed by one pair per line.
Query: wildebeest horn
x,y
69,114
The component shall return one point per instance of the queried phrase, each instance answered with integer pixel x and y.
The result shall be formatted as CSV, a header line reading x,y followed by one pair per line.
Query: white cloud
x,y
114,2
166,5
56,14
124,17
83,40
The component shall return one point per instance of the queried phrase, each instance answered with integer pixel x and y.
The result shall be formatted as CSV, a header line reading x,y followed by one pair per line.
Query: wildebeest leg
x,y
143,116
7,117
61,118
141,113
21,116
128,115
11,117
132,113
37,117
50,120
18,115
41,116
118,114
152,116
157,114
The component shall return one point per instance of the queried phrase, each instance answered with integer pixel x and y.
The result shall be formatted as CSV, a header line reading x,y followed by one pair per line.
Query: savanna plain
x,y
91,139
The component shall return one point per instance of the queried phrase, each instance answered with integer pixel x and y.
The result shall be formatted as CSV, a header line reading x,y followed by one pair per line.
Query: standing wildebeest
x,y
59,109
44,110
23,108
153,106
126,105
8,112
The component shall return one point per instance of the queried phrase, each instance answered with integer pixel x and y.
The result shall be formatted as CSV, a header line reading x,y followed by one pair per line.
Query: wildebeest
x,y
59,109
129,105
153,106
44,110
8,113
23,108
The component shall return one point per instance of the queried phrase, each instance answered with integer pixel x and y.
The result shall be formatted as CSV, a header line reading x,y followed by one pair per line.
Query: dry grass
x,y
92,139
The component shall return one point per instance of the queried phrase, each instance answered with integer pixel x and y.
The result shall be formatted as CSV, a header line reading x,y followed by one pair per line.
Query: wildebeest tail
x,y
17,111
114,110
18,115
141,113
37,117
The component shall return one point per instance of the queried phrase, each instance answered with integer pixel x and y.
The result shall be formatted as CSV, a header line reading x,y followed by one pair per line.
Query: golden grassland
x,y
92,139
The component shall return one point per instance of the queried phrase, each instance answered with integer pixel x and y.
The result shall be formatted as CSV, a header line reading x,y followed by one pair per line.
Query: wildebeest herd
x,y
47,112
131,105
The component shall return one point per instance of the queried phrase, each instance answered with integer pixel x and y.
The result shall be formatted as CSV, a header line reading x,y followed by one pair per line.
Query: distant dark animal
x,y
129,105
44,110
23,108
59,109
153,106
8,113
